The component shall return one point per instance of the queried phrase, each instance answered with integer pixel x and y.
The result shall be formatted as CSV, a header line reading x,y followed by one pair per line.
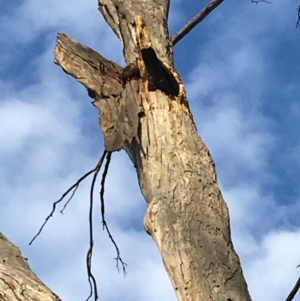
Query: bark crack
x,y
11,286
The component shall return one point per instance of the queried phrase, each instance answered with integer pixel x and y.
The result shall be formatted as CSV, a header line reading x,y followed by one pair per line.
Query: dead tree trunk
x,y
17,281
144,110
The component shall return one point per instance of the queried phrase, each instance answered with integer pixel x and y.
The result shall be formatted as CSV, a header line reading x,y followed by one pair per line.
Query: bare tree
x,y
144,110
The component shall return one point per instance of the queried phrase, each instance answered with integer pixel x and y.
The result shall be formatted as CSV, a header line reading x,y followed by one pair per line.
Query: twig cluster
x,y
89,255
74,188
104,223
95,171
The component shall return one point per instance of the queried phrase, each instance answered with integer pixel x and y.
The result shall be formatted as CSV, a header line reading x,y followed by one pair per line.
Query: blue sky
x,y
241,71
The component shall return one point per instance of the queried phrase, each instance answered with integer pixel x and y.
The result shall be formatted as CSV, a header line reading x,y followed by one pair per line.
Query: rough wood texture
x,y
120,14
17,281
187,216
106,83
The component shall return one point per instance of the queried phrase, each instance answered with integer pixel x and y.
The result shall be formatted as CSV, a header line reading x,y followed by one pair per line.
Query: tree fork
x,y
144,110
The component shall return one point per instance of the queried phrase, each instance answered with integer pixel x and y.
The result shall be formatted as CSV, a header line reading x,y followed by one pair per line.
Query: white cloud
x,y
33,17
275,266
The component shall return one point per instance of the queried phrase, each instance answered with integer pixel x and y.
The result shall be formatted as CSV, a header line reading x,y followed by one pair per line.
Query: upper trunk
x,y
143,108
186,216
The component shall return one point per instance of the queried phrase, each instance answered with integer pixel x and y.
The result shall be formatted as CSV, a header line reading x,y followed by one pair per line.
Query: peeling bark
x,y
187,215
17,281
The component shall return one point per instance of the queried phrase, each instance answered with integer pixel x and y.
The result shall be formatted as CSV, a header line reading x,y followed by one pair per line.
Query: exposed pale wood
x,y
187,215
103,80
120,15
17,281
86,65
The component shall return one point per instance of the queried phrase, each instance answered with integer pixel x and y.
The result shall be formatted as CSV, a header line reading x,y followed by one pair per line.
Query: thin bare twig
x,y
91,278
74,186
93,282
259,1
294,291
69,200
195,21
104,223
298,20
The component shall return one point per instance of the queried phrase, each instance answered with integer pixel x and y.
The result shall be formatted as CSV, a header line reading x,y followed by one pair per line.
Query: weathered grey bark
x,y
17,281
144,110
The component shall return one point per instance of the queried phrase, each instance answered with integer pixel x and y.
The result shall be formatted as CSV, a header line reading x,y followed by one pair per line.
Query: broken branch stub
x,y
103,79
116,91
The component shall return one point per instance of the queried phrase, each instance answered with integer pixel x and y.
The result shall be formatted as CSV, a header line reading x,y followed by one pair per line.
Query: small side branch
x,y
86,65
196,20
259,1
294,291
104,223
298,20
74,186
95,171
91,277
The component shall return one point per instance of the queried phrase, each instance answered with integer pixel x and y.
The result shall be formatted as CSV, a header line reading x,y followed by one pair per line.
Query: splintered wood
x,y
176,102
